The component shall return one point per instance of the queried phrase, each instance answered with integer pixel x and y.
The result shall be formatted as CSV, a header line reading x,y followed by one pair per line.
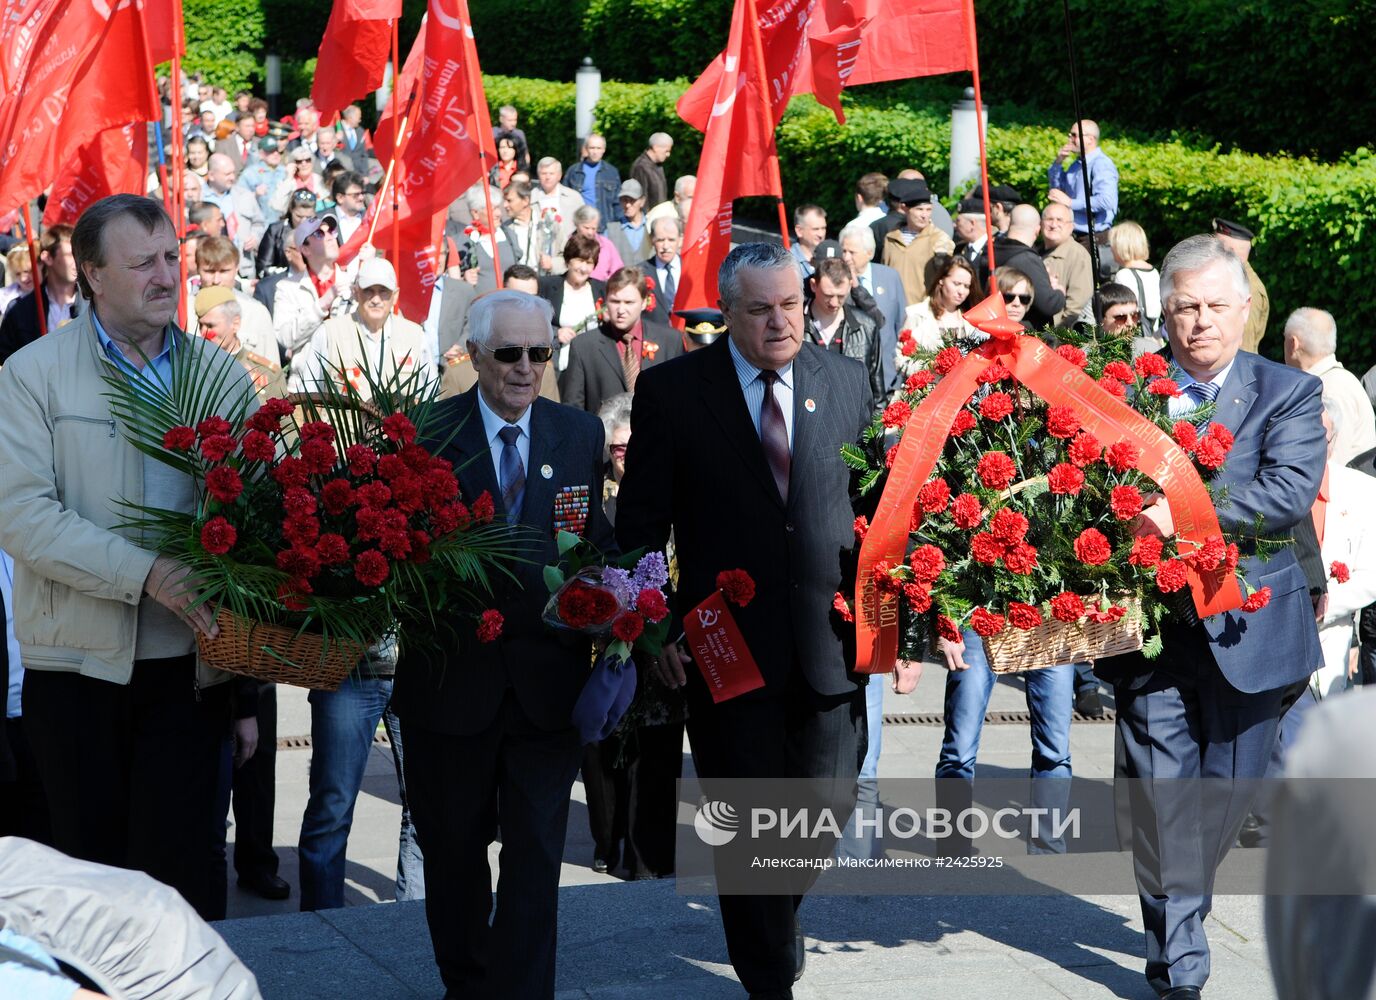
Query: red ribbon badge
x,y
1058,382
719,650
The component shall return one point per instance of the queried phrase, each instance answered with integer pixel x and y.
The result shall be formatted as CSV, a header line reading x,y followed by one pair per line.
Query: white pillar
x,y
965,140
587,88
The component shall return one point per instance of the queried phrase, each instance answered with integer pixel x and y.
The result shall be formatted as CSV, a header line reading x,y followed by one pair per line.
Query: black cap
x,y
1006,195
1223,227
971,204
825,249
909,192
702,325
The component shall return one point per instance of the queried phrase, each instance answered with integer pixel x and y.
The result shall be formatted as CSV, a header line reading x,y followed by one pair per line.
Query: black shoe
x,y
1251,834
265,885
600,865
1181,993
799,951
773,995
1089,703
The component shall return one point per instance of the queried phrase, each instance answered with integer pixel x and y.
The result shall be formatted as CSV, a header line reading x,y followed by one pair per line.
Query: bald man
x,y
1067,178
1067,262
1015,250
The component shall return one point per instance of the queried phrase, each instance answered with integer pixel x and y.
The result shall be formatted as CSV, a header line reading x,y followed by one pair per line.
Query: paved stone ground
x,y
636,941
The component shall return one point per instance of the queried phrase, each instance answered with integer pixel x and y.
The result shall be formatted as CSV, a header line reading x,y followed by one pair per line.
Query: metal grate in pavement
x,y
304,742
990,718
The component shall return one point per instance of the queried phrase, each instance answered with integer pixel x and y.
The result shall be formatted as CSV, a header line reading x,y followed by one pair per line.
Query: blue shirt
x,y
492,427
13,704
157,372
635,235
753,390
589,191
1103,197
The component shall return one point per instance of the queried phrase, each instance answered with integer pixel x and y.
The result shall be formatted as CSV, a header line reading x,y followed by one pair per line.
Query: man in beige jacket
x,y
1066,262
126,727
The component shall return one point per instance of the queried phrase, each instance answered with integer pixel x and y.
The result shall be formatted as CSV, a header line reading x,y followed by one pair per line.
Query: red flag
x,y
449,127
353,54
114,162
60,55
166,31
835,44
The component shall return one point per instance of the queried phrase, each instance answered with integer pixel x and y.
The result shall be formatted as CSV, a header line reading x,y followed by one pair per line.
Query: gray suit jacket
x,y
886,288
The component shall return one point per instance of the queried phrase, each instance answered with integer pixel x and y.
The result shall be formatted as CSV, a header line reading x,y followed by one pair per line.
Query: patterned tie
x,y
630,361
774,434
668,286
1203,393
513,473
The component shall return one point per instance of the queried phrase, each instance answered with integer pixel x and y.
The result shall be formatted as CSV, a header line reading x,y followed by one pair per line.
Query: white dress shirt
x,y
1180,405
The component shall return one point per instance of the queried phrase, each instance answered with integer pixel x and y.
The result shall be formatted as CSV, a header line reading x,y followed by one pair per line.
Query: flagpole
x,y
979,129
475,90
27,217
767,113
398,142
396,153
157,103
178,168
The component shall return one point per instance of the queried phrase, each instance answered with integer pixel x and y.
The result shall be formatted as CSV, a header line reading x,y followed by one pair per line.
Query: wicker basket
x,y
277,653
1054,642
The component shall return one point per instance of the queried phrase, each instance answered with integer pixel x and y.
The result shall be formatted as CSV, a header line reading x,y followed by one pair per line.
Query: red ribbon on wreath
x,y
1057,381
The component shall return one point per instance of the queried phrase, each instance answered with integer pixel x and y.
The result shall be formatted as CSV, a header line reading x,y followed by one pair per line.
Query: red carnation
x,y
371,568
1021,558
1222,435
337,496
1061,421
361,459
1023,616
1085,449
1170,576
1230,561
736,586
490,625
332,549
1210,454
277,407
395,544
1210,555
263,422
291,472
1109,614
963,423
1125,502
224,484
1257,600
298,502
947,629
650,603
839,605
1008,526
934,496
946,359
391,466
301,531
298,562
292,592
398,428
1120,371
1146,551
896,414
628,626
318,455
861,527
179,439
1065,479
915,517
996,406
483,510
420,547
440,486
419,460
317,430
909,346
1113,387
927,563
1163,387
374,495
918,381
1339,572
919,598
217,446
408,493
994,373
1067,607
212,427
966,511
1124,454
995,470
1185,434
1148,365
1092,548
258,447
986,549
450,517
582,606
889,456
218,536
986,623
1073,354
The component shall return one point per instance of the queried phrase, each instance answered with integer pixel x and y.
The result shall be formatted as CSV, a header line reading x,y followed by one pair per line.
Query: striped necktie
x,y
513,473
774,434
1203,394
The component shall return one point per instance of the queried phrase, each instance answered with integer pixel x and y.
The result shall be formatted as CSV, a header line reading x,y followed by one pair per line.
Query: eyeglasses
x,y
512,355
1024,297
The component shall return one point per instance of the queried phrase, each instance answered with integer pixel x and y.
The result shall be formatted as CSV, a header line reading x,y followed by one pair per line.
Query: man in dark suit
x,y
758,417
1209,705
609,360
489,744
665,266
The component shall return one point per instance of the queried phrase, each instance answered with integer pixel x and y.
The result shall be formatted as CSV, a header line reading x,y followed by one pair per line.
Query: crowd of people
x,y
569,364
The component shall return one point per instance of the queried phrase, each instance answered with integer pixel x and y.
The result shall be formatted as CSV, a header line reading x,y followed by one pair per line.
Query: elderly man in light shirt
x,y
1311,340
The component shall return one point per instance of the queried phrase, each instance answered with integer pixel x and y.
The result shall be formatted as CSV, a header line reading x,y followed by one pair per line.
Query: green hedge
x,y
1313,220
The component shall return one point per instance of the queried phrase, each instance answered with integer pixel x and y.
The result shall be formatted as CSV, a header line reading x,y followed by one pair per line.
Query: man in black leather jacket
x,y
832,322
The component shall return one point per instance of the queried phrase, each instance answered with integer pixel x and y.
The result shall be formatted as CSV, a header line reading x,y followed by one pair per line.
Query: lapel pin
x,y
546,471
810,406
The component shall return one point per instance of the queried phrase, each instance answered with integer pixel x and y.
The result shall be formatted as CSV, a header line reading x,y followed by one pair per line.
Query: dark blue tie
x,y
513,473
1203,393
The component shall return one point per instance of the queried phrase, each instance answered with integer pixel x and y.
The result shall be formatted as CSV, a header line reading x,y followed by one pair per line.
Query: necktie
x,y
668,286
1319,512
774,434
513,473
1203,393
630,361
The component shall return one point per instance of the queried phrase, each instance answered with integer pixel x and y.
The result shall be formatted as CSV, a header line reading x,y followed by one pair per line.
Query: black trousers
x,y
633,803
790,733
130,769
255,795
23,806
458,787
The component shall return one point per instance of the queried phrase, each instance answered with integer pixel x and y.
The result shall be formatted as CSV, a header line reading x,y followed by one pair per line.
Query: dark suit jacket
x,y
552,291
696,466
1274,471
20,325
663,312
455,684
1046,301
595,374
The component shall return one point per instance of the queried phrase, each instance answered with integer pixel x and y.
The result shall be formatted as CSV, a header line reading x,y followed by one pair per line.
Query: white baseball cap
x,y
377,271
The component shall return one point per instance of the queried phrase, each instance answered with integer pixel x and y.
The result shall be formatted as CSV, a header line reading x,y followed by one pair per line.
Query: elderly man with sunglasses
x,y
490,748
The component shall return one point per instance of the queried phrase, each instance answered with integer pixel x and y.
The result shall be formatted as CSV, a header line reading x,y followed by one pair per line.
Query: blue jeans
x,y
1050,700
852,844
342,726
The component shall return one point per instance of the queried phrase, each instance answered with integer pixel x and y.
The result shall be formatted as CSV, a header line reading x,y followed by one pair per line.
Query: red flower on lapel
x,y
648,350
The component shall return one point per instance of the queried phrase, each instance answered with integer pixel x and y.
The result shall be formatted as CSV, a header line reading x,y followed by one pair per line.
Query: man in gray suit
x,y
883,285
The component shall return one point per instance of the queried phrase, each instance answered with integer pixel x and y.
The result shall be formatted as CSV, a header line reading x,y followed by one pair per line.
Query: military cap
x,y
1223,227
909,191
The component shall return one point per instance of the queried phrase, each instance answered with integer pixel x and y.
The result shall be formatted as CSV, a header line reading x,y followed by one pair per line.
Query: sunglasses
x,y
1024,297
511,355
1126,317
